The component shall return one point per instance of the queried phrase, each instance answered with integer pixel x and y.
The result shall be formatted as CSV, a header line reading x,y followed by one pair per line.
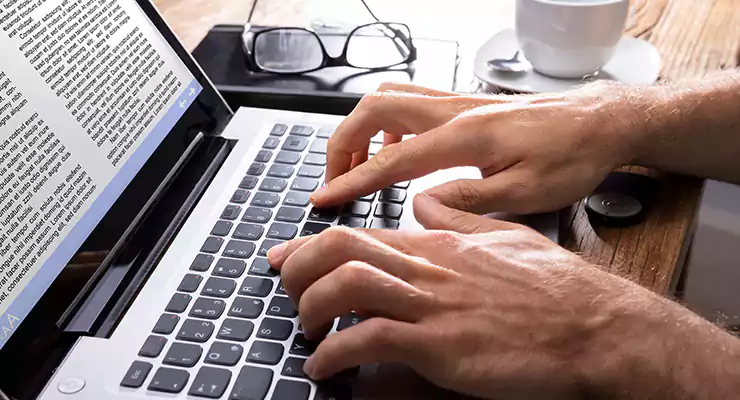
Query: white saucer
x,y
635,62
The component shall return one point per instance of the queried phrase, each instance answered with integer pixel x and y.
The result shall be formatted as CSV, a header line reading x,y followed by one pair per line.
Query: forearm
x,y
659,350
693,128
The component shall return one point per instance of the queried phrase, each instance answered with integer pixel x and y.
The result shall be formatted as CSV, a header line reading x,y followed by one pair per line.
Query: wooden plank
x,y
694,37
191,19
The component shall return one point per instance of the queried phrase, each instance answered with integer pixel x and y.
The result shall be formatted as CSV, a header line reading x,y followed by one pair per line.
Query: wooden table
x,y
693,36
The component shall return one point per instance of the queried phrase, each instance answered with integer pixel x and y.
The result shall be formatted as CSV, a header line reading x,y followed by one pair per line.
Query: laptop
x,y
126,177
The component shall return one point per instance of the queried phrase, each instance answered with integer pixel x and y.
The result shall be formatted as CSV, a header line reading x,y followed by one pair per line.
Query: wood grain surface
x,y
694,37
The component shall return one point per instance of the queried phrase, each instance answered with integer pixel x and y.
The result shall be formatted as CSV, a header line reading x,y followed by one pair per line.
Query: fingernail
x,y
424,196
276,253
317,194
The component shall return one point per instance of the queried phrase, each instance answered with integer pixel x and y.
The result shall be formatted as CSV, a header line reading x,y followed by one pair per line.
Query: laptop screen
x,y
88,92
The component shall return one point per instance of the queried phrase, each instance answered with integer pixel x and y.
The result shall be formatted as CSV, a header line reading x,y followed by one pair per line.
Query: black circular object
x,y
622,199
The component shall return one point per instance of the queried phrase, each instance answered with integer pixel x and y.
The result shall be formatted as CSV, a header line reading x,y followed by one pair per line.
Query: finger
x,y
440,148
389,139
395,113
359,287
505,191
432,214
276,255
376,340
337,246
360,156
410,88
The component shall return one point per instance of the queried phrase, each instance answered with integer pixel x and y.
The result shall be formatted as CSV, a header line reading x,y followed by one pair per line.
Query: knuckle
x,y
445,237
380,332
338,235
352,274
468,194
386,157
387,86
372,100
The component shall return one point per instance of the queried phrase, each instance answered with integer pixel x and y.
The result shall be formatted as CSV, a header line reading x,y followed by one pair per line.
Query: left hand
x,y
493,309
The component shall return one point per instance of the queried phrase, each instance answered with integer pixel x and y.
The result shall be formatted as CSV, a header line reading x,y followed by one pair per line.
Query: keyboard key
x,y
281,171
235,329
190,283
318,146
240,196
279,130
153,345
275,329
352,222
239,249
201,263
169,380
393,195
207,308
271,143
210,383
261,267
244,307
290,214
222,228
402,185
378,139
298,199
136,374
384,223
183,354
288,157
348,321
166,324
282,231
212,245
282,307
265,353
218,287
222,353
256,287
293,390
267,244
325,133
386,210
315,159
293,367
248,232
263,199
273,185
263,156
280,289
358,209
178,303
252,384
231,212
369,197
323,214
295,143
258,215
256,169
309,171
301,130
229,268
304,184
248,182
302,347
313,228
195,331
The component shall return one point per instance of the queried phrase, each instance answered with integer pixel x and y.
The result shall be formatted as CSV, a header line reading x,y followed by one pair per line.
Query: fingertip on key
x,y
275,255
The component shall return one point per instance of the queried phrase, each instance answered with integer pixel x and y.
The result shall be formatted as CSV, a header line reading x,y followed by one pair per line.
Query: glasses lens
x,y
288,51
379,45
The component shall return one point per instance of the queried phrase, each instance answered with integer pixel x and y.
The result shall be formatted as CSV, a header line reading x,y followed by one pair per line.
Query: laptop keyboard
x,y
230,331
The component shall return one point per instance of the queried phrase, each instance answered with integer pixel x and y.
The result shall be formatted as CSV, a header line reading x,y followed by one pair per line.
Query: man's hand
x,y
536,153
490,309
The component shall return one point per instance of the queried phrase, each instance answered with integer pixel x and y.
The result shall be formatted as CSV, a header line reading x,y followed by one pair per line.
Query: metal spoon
x,y
513,64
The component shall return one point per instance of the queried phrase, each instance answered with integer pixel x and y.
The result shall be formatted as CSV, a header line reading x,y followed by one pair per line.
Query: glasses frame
x,y
249,38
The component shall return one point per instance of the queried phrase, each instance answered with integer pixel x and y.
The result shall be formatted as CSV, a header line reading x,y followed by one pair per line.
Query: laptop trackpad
x,y
396,382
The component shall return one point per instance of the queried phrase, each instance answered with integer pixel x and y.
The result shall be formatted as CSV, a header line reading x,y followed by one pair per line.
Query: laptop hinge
x,y
108,293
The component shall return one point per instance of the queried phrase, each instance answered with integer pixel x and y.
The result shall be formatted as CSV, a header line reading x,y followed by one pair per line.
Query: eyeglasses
x,y
287,51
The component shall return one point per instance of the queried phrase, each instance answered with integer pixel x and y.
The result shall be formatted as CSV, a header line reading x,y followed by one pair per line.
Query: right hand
x,y
536,153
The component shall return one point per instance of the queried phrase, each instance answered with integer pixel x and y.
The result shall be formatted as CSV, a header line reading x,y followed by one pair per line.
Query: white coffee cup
x,y
570,38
